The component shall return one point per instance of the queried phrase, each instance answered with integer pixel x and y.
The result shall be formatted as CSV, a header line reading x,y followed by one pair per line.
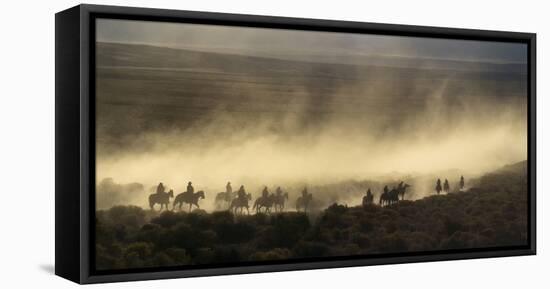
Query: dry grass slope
x,y
493,213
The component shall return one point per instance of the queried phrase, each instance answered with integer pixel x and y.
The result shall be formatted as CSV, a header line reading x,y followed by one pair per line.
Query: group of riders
x,y
388,197
238,201
446,188
163,198
233,201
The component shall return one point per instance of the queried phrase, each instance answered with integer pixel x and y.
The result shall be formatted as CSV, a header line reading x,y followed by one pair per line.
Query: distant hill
x,y
517,168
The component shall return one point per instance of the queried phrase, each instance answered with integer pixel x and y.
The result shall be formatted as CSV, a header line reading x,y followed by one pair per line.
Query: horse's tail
x,y
151,201
255,204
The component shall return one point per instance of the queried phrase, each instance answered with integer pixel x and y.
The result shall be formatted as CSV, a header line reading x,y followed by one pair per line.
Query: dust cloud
x,y
210,118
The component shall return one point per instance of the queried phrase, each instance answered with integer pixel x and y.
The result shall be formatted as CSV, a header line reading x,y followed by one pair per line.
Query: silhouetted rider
x,y
160,188
438,186
304,192
190,189
241,194
368,199
400,186
228,188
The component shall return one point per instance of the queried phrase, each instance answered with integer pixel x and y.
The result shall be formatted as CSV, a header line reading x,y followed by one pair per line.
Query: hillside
x,y
492,214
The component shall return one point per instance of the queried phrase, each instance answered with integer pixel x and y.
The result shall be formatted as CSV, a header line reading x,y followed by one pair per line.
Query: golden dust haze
x,y
177,115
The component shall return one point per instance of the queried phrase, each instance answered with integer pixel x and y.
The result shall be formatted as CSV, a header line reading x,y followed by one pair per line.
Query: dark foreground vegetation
x,y
493,213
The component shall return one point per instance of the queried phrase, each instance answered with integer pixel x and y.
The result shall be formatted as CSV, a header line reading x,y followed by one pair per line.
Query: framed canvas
x,y
193,144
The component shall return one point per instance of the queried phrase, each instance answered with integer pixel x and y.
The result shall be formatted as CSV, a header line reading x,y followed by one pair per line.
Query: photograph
x,y
220,145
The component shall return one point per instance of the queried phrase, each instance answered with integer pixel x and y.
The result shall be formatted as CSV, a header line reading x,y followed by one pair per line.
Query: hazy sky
x,y
284,43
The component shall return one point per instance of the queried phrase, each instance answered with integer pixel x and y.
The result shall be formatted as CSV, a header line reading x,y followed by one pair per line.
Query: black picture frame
x,y
75,145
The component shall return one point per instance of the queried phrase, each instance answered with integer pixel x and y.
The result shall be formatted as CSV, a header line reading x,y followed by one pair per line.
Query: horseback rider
x,y
278,191
386,189
160,188
241,194
400,186
438,186
190,189
228,189
446,186
368,199
265,192
304,192
461,182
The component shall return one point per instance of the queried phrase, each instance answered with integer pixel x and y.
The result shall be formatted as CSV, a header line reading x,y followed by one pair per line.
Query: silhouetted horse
x,y
401,191
160,198
264,202
438,187
191,199
240,203
303,202
389,198
368,200
446,187
279,204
